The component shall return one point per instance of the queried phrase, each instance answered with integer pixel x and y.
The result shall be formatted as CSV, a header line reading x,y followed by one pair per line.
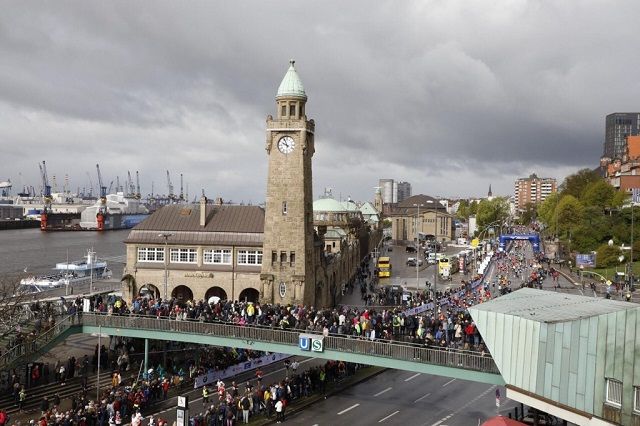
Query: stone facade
x,y
294,266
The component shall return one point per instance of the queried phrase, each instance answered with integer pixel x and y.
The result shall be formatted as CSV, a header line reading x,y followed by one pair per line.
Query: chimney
x,y
203,210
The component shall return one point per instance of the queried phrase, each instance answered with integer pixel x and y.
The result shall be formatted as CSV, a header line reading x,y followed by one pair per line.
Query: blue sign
x,y
586,260
311,343
534,239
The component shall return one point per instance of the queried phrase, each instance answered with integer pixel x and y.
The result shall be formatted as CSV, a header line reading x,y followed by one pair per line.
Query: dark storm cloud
x,y
419,91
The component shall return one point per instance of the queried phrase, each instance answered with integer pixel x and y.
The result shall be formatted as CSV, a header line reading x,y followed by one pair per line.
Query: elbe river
x,y
39,251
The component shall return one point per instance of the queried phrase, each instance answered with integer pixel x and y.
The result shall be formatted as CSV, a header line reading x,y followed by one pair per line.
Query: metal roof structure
x,y
559,352
551,307
291,84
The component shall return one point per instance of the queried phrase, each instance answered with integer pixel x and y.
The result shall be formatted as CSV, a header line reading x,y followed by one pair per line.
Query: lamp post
x,y
166,260
418,220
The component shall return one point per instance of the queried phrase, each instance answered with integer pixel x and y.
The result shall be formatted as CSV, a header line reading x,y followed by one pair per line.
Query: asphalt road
x,y
398,397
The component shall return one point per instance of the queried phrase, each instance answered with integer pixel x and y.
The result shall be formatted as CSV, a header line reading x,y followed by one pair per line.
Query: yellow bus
x,y
444,267
384,267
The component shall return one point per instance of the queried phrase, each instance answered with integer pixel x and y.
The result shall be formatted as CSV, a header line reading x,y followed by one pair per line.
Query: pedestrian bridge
x,y
457,364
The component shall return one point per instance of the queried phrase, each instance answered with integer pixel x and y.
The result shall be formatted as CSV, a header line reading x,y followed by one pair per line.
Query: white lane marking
x,y
383,391
390,415
437,423
412,377
347,409
450,381
422,397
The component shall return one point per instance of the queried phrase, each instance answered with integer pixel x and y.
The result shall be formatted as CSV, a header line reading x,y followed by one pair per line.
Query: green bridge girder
x,y
448,363
418,367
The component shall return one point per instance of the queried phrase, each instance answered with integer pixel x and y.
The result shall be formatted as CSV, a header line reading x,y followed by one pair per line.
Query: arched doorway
x,y
249,295
217,292
182,293
149,291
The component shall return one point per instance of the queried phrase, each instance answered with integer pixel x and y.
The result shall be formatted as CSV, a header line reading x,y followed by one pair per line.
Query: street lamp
x,y
418,220
166,260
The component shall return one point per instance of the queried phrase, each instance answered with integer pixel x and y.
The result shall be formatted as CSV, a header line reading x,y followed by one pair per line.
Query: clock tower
x,y
288,272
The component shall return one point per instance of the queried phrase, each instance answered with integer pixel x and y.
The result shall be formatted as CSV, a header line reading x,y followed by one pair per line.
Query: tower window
x,y
284,207
292,110
301,111
292,258
274,257
283,111
283,257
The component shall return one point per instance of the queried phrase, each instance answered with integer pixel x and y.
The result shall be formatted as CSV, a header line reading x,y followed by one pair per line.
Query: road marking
x,y
412,377
390,415
348,409
383,391
437,423
450,381
422,397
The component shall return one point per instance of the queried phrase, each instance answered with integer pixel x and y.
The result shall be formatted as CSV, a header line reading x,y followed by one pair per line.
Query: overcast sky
x,y
449,95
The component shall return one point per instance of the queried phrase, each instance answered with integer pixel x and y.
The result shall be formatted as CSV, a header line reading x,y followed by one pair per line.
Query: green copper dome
x,y
291,84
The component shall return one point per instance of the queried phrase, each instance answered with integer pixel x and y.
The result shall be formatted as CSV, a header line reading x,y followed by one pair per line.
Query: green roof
x,y
368,209
328,205
291,84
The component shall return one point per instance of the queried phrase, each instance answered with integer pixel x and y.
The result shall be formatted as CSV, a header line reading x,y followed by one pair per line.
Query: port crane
x,y
46,195
102,210
181,188
131,189
90,185
170,185
138,196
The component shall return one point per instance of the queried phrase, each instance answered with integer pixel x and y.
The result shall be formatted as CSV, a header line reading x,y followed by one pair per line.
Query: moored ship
x,y
68,274
115,211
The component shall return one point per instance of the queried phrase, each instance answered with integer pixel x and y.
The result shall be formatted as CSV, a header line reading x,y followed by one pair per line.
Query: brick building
x,y
533,190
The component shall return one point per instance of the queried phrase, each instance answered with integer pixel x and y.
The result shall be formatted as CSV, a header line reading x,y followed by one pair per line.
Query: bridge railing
x,y
41,340
389,349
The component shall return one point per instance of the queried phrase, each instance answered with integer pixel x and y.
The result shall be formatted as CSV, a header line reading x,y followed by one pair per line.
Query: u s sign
x,y
313,343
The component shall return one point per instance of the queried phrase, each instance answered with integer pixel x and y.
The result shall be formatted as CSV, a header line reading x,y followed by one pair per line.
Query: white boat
x,y
69,273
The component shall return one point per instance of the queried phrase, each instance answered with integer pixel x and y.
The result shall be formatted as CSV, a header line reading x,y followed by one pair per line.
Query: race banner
x,y
213,376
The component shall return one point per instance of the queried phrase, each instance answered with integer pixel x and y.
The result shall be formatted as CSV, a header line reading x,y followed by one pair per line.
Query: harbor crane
x,y
130,189
170,185
138,196
181,188
90,185
46,196
102,210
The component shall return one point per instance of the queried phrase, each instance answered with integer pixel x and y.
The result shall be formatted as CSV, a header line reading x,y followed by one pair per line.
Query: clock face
x,y
286,144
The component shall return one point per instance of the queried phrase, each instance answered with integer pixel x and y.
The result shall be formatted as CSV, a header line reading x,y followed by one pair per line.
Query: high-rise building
x,y
404,191
386,188
619,125
533,190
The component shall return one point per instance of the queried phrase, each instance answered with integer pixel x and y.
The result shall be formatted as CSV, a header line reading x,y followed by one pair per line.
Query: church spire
x,y
490,194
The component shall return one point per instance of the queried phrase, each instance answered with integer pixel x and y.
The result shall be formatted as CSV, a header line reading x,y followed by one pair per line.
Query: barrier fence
x,y
402,351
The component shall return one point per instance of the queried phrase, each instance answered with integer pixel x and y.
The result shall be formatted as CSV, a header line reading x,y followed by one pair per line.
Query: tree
x,y
576,183
569,213
12,300
528,214
607,256
599,194
463,211
496,210
546,211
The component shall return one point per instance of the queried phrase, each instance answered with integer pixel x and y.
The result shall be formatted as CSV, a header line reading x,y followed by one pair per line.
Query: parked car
x,y
410,249
412,261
